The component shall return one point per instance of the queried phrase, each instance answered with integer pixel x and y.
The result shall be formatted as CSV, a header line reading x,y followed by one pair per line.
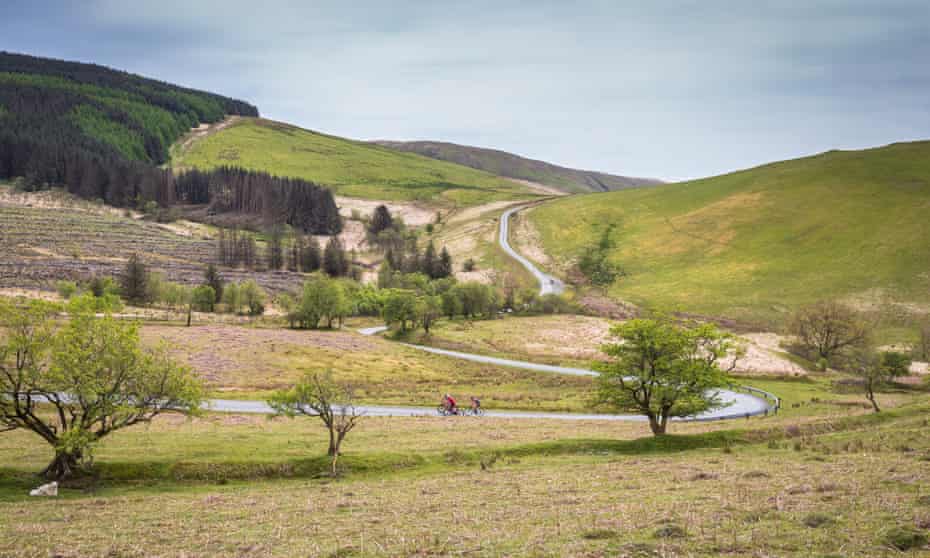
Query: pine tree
x,y
310,257
275,248
380,220
428,262
444,266
134,281
335,263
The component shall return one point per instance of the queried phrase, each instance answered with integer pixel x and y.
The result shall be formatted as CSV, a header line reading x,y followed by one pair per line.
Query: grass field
x,y
817,486
351,168
250,362
757,243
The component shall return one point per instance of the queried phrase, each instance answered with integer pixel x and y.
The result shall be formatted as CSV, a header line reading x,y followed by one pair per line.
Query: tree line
x,y
100,134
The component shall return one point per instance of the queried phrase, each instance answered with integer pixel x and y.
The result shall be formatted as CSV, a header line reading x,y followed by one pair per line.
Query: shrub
x,y
469,265
66,289
816,519
904,538
203,298
669,531
599,534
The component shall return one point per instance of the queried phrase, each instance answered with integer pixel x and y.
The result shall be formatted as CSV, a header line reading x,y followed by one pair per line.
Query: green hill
x,y
351,168
752,244
514,166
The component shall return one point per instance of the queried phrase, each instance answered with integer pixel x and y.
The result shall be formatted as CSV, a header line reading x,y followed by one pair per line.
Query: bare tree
x,y
826,328
318,394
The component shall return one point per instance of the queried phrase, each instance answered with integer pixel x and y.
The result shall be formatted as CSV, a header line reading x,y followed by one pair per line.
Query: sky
x,y
664,89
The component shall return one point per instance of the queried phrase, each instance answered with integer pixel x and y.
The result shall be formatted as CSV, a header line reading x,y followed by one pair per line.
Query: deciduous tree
x,y
93,375
661,369
318,394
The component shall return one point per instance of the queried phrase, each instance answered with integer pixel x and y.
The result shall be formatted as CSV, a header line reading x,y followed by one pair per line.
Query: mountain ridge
x,y
511,165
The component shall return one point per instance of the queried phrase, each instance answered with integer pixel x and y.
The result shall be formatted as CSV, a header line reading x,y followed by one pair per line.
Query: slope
x,y
514,166
756,243
351,168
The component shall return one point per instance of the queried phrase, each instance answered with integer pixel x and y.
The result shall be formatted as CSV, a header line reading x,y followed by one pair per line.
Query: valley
x,y
226,335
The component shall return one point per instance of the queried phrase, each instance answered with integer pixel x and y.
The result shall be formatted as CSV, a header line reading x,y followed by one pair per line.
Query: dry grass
x,y
748,500
250,362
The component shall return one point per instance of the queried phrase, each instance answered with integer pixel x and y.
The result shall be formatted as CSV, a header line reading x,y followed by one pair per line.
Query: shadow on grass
x,y
15,483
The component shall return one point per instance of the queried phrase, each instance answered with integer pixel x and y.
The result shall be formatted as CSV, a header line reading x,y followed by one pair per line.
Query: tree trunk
x,y
190,310
657,426
332,444
62,466
870,395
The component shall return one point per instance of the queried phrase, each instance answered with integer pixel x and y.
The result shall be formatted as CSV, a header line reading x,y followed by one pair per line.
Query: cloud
x,y
671,89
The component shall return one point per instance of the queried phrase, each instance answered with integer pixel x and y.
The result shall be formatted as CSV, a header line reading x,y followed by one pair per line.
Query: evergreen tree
x,y
310,257
213,279
381,220
444,266
428,262
335,262
275,248
134,281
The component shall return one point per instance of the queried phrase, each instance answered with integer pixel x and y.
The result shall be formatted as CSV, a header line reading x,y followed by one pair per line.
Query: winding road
x,y
547,283
736,404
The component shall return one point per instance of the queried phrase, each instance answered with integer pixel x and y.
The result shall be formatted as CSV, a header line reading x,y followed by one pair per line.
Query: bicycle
x,y
447,412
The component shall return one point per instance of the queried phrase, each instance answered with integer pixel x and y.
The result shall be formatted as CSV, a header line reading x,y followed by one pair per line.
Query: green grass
x,y
351,168
755,244
247,486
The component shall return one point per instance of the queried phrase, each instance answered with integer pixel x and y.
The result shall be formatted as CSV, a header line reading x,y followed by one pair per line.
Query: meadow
x,y
842,483
756,244
350,168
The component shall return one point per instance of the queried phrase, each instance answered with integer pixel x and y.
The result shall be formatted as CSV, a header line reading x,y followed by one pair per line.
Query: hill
x,y
106,112
514,166
101,133
756,243
351,168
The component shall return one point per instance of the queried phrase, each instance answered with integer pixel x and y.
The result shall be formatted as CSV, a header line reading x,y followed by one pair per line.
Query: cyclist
x,y
449,402
475,405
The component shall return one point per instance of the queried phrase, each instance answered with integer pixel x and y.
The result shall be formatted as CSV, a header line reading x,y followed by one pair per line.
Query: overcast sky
x,y
661,89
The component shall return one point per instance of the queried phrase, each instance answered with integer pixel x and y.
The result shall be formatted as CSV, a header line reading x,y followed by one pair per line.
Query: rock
x,y
50,489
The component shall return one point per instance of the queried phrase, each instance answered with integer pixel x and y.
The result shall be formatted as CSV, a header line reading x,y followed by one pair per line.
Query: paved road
x,y
547,283
738,405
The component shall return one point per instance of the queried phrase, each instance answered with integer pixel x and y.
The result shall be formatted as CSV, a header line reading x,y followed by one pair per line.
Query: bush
x,y
66,289
469,265
670,531
904,538
203,298
816,519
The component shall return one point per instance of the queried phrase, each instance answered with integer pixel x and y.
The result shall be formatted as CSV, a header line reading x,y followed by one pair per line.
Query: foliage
x,y
66,289
661,369
400,308
876,368
203,298
212,278
319,395
92,372
322,299
335,261
134,282
595,263
97,131
253,297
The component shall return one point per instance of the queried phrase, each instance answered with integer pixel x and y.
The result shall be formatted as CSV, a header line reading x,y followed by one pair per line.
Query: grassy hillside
x,y
352,168
514,166
754,243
